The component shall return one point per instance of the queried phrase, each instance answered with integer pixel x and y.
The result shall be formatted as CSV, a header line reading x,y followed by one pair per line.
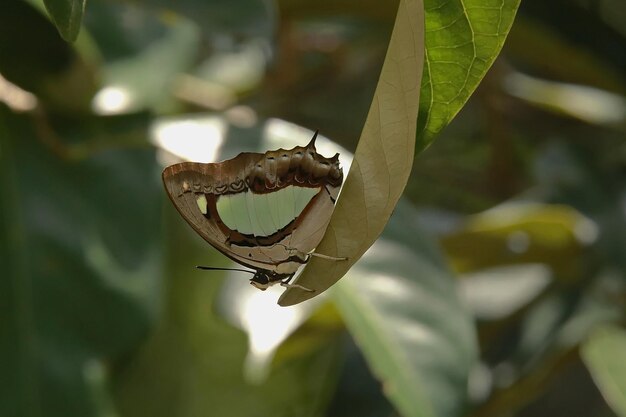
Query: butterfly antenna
x,y
212,268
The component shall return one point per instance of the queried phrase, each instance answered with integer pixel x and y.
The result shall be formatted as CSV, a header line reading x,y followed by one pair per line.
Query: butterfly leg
x,y
285,283
330,258
305,256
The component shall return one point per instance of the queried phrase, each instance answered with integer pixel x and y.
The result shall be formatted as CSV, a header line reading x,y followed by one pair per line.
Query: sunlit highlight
x,y
242,116
586,231
280,133
267,325
203,92
518,241
585,103
497,292
112,100
197,140
15,97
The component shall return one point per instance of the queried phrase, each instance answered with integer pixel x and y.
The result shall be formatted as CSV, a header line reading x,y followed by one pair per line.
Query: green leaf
x,y
400,304
604,353
41,62
382,161
67,16
80,269
463,38
156,50
522,233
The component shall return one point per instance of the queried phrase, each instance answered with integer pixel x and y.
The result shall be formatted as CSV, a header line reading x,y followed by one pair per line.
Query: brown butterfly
x,y
265,211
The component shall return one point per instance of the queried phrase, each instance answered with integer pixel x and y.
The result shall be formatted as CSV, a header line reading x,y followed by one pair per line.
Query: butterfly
x,y
266,211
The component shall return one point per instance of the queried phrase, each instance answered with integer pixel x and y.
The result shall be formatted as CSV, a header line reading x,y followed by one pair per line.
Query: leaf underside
x,y
67,16
401,306
463,38
382,162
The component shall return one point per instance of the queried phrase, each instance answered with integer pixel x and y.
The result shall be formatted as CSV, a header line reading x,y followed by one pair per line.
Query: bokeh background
x,y
512,235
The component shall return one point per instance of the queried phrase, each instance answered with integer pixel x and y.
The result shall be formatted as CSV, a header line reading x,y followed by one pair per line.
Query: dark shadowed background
x,y
512,235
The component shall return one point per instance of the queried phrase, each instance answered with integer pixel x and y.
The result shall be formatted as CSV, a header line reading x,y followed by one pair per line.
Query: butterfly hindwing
x,y
207,224
264,211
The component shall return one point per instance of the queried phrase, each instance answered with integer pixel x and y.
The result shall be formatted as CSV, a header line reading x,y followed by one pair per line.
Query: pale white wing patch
x,y
302,196
240,214
276,220
263,214
251,211
202,204
226,211
284,204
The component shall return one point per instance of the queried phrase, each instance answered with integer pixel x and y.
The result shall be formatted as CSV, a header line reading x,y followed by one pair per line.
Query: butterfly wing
x,y
264,211
180,181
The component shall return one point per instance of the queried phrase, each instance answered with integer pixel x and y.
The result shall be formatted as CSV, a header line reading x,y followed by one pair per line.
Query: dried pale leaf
x,y
382,161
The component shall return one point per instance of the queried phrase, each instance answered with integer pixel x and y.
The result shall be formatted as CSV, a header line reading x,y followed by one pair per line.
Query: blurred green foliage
x,y
506,257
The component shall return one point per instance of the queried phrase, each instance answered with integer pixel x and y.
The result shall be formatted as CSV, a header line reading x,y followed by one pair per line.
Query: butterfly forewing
x,y
207,224
264,211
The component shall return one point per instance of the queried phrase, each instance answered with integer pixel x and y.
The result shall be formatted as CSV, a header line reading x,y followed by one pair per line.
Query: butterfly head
x,y
261,281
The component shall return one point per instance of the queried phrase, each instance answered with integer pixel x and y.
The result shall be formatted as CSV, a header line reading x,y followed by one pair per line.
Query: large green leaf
x,y
463,38
521,233
400,304
382,161
604,353
79,269
67,15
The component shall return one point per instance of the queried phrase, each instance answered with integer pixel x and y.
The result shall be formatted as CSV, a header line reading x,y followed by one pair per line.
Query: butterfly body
x,y
265,211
